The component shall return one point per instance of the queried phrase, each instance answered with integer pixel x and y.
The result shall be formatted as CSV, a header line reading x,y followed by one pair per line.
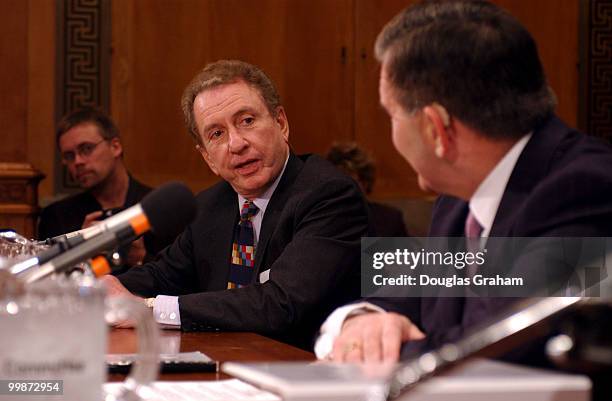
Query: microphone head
x,y
169,208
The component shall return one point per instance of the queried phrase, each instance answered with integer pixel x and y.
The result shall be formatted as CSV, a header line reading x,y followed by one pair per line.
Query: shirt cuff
x,y
166,311
330,330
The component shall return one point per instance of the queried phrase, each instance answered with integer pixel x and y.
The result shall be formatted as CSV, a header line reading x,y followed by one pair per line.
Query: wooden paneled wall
x,y
555,26
26,109
13,81
27,51
158,46
319,53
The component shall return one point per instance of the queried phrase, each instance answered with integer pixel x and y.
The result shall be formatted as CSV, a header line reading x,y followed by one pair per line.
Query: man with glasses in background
x,y
92,152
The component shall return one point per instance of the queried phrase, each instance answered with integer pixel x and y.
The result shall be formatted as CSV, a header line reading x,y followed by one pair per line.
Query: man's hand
x,y
136,253
374,337
114,288
91,219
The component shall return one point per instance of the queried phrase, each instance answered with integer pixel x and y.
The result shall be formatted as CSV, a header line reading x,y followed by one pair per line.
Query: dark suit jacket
x,y
309,240
386,221
560,186
67,215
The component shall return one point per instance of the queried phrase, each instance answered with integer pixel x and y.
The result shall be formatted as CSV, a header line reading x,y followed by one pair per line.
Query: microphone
x,y
58,244
61,243
167,209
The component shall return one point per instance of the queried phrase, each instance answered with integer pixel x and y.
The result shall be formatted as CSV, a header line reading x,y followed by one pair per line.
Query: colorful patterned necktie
x,y
243,248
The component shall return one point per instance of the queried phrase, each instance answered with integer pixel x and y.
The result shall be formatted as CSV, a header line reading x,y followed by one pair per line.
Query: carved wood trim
x,y
19,197
83,65
595,114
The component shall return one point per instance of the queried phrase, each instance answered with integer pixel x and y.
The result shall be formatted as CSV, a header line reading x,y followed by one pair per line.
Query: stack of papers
x,y
223,390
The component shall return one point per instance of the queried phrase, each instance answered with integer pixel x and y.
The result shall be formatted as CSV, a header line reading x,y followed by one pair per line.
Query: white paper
x,y
265,276
223,390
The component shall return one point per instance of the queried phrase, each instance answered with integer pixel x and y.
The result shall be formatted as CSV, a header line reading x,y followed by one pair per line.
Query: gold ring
x,y
352,346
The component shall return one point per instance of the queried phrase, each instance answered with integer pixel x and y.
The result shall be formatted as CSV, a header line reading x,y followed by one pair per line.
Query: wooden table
x,y
219,346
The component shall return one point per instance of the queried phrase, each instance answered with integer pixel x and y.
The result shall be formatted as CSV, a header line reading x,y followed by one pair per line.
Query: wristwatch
x,y
149,302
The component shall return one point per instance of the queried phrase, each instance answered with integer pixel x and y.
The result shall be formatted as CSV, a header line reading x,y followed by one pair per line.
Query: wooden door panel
x,y
395,178
13,80
555,26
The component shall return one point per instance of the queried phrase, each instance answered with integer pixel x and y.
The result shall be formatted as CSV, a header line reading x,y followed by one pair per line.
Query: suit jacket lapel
x,y
532,165
448,218
273,211
220,245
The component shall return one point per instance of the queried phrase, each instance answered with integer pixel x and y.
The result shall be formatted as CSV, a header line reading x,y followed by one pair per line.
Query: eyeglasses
x,y
84,149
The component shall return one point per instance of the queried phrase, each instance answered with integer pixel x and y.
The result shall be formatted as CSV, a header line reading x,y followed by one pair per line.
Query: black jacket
x,y
310,241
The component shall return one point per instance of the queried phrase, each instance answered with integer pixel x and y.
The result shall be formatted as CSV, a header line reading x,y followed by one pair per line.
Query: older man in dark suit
x,y
275,246
473,115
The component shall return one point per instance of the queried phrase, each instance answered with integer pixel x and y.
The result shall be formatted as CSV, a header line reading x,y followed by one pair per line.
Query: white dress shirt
x,y
165,307
483,205
485,201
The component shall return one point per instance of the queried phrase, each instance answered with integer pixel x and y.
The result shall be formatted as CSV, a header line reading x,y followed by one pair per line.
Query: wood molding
x,y
19,197
596,68
83,64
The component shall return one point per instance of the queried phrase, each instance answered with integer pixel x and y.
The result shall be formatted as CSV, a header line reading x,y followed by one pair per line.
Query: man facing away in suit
x,y
472,113
303,218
